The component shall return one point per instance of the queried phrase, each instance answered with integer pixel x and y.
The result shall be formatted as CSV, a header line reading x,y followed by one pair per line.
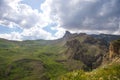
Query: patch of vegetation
x,y
47,60
109,72
30,60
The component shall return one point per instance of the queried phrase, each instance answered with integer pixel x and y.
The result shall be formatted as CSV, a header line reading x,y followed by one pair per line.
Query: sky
x,y
49,19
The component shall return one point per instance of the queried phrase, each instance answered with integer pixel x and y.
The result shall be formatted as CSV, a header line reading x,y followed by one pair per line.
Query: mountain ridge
x,y
72,52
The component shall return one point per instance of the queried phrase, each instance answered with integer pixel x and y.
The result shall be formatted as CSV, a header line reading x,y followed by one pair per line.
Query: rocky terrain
x,y
109,70
114,49
51,59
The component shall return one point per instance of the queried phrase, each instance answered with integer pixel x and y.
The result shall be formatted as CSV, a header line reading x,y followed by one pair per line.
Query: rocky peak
x,y
67,34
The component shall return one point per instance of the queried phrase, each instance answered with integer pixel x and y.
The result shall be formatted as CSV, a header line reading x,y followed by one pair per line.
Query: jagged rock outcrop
x,y
69,35
114,49
90,51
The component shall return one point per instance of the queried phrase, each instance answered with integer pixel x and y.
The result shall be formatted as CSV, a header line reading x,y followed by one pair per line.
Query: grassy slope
x,y
13,64
108,72
36,60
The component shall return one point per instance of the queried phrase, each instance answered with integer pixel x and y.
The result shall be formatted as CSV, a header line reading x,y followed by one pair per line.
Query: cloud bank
x,y
15,14
90,16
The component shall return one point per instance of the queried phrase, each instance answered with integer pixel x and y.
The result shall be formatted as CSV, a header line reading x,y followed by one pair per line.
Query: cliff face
x,y
114,49
90,51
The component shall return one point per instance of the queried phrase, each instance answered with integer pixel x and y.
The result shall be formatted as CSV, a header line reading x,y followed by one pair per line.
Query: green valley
x,y
73,57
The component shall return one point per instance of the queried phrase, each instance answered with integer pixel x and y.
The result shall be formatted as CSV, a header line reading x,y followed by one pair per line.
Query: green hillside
x,y
109,72
69,58
29,60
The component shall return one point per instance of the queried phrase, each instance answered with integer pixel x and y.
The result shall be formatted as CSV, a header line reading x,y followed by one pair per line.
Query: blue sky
x,y
4,29
35,4
49,19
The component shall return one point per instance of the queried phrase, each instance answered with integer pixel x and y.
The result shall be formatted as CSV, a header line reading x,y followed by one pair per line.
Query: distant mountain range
x,y
51,59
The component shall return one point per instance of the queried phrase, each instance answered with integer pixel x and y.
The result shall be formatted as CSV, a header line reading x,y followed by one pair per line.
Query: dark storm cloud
x,y
87,14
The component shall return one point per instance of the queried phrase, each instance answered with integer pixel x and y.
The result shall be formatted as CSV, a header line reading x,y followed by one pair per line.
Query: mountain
x,y
50,59
107,71
89,50
86,49
107,37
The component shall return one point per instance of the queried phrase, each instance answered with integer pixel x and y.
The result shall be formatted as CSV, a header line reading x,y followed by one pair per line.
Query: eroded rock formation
x,y
114,49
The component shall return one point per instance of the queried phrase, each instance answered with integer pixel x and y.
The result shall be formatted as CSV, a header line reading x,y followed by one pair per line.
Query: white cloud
x,y
13,13
11,36
90,16
60,32
20,14
29,34
36,33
